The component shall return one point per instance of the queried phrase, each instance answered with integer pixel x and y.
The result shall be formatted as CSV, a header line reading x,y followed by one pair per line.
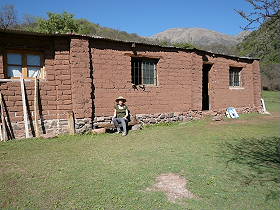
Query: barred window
x,y
144,71
235,77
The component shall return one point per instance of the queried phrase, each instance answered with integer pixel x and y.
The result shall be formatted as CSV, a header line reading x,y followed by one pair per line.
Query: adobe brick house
x,y
85,74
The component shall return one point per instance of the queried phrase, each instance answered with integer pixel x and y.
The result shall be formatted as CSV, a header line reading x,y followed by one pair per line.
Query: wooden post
x,y
3,121
36,109
1,135
4,131
71,122
25,117
1,125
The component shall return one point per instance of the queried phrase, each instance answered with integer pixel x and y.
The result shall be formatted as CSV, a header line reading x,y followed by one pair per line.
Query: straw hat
x,y
120,98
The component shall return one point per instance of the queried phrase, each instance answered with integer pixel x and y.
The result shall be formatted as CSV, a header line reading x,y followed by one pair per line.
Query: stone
x,y
137,127
63,122
176,114
108,118
186,118
162,116
170,115
146,121
218,118
99,130
152,121
100,119
49,135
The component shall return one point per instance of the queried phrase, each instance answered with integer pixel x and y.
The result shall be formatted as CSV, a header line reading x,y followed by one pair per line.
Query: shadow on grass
x,y
254,161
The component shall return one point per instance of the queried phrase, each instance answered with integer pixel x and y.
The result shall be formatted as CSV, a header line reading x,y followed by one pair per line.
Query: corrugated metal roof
x,y
9,31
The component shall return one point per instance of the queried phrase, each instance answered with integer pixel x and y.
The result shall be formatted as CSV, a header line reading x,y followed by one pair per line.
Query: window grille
x,y
144,71
235,77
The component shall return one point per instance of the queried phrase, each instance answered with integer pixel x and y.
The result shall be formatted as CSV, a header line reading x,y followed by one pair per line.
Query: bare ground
x,y
173,185
255,120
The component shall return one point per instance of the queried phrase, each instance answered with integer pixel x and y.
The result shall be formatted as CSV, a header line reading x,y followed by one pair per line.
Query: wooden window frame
x,y
141,60
24,66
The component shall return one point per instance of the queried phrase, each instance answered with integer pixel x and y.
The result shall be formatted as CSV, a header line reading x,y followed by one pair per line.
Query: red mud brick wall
x,y
257,83
55,89
196,81
223,96
179,86
112,78
60,74
87,75
81,78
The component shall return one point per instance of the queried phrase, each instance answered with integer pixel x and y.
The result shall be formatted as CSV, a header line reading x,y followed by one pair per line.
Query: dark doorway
x,y
205,86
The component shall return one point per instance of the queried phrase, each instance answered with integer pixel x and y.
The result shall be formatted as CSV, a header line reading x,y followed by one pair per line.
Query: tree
x,y
58,23
262,11
29,23
184,45
86,27
263,42
8,18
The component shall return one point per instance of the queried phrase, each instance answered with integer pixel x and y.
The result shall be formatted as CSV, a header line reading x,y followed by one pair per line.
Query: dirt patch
x,y
232,121
253,120
173,185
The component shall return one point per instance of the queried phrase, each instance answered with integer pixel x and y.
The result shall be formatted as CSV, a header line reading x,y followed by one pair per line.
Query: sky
x,y
144,17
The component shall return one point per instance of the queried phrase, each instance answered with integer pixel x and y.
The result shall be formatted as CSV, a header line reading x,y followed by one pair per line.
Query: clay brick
x,y
51,107
67,97
50,98
67,102
65,77
64,107
65,87
50,77
52,102
66,82
67,92
14,98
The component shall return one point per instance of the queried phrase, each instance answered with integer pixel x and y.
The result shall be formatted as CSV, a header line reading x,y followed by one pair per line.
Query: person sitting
x,y
121,114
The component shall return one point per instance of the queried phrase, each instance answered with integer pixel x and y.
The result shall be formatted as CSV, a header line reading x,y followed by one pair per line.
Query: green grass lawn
x,y
272,100
230,164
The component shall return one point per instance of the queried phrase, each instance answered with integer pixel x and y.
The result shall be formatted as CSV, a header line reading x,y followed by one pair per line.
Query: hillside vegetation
x,y
264,44
66,23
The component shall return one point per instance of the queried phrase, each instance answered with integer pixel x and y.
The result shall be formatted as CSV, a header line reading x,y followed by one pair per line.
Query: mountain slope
x,y
199,36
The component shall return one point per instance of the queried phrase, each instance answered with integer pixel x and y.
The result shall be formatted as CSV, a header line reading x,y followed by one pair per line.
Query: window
x,y
143,71
235,76
24,64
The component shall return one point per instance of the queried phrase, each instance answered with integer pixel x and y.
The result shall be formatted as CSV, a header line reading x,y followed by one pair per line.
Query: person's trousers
x,y
120,122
